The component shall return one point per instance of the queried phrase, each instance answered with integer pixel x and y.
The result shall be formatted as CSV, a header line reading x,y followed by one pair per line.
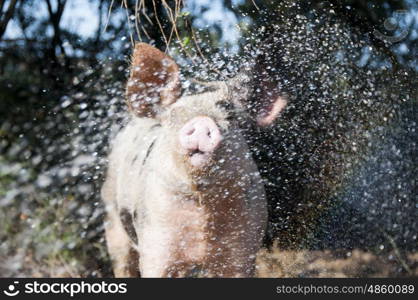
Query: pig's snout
x,y
199,138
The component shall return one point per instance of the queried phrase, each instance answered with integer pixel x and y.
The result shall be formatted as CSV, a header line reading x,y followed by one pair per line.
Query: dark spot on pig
x,y
133,267
155,126
148,152
135,158
128,225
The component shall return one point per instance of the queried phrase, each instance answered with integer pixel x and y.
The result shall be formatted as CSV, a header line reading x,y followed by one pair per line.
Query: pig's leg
x,y
157,253
124,257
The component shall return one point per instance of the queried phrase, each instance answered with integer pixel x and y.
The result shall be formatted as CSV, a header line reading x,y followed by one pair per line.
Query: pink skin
x,y
199,138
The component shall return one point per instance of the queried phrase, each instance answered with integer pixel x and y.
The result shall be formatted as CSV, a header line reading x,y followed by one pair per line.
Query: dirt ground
x,y
356,263
275,263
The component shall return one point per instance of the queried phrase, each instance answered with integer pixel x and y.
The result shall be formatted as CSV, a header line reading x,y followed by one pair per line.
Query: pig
x,y
183,196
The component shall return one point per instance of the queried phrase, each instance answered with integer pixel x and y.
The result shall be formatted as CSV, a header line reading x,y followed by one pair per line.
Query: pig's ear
x,y
258,95
267,101
154,81
270,108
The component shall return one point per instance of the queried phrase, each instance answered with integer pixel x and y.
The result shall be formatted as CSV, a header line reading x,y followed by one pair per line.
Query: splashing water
x,y
338,166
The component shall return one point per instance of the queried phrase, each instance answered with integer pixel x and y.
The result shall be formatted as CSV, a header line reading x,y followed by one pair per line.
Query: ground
x,y
334,263
275,263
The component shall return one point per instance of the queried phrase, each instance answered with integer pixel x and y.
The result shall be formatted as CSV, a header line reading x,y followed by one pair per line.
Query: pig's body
x,y
183,194
206,224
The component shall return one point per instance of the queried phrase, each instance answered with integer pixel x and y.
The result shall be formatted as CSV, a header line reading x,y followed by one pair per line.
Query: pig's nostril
x,y
196,151
190,131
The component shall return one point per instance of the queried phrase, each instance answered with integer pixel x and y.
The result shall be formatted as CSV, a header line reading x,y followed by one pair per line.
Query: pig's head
x,y
200,131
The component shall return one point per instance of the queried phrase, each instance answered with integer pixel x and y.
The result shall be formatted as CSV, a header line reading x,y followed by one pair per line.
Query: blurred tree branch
x,y
55,18
6,16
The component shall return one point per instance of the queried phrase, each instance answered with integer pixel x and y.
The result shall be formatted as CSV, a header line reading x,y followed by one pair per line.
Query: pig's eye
x,y
225,105
229,109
